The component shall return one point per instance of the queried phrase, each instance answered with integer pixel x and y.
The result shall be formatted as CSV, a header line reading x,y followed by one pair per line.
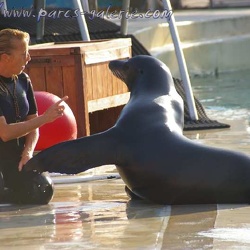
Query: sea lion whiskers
x,y
119,75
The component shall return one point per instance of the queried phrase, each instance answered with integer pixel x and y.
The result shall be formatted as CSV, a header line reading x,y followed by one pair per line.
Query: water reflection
x,y
99,215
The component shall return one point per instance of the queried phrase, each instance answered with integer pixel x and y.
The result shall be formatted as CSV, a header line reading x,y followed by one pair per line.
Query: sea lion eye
x,y
141,71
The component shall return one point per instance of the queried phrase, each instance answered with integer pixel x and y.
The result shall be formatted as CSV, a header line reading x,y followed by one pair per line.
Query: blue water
x,y
227,91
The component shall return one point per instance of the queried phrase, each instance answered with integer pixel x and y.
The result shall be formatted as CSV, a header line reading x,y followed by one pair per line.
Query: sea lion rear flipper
x,y
76,156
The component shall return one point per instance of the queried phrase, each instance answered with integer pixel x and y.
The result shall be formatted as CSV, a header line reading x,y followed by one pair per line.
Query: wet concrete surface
x,y
99,215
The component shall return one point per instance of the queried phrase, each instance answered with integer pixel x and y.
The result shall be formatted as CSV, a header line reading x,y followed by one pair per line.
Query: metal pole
x,y
85,5
124,21
151,5
81,21
38,5
96,5
181,62
93,5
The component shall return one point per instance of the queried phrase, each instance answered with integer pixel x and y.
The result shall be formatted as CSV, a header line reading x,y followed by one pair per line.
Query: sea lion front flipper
x,y
76,156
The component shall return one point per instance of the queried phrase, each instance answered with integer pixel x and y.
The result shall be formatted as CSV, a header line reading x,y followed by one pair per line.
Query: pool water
x,y
226,94
225,99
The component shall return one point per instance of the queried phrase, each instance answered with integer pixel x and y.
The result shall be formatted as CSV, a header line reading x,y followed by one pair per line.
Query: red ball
x,y
62,129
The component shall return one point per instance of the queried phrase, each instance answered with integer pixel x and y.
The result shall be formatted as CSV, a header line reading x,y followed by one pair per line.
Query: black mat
x,y
203,121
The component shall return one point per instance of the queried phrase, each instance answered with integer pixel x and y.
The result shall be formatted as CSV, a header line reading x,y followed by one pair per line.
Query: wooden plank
x,y
94,83
88,82
91,57
70,89
78,47
54,80
51,50
100,79
105,79
102,83
50,61
69,85
81,99
115,85
99,45
37,76
108,102
110,79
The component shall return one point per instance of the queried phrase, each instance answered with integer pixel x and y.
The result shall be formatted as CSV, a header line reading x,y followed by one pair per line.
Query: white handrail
x,y
124,20
81,21
85,5
181,62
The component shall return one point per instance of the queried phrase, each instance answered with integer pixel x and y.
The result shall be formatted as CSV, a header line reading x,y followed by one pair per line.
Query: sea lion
x,y
154,159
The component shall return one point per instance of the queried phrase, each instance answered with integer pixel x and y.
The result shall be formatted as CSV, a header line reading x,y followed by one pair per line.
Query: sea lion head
x,y
143,73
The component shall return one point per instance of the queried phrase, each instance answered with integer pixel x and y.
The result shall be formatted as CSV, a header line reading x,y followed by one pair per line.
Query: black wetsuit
x,y
24,187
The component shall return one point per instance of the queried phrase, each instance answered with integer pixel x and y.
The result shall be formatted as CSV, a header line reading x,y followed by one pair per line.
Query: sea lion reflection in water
x,y
154,159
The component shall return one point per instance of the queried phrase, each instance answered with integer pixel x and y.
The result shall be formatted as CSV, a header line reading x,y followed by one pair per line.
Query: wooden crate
x,y
80,70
